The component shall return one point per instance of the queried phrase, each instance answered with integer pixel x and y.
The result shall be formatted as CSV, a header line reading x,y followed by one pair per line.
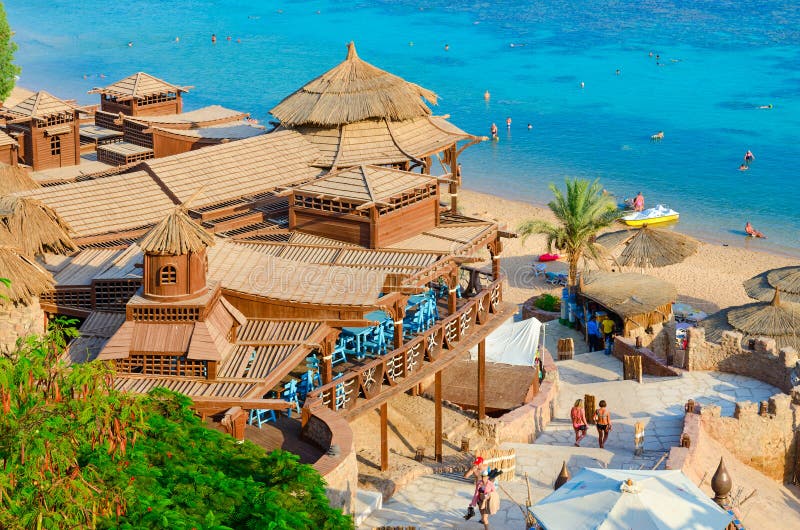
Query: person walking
x,y
486,498
638,202
578,417
602,420
475,471
607,326
593,332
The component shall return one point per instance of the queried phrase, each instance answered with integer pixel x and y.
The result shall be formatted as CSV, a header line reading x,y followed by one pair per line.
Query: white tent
x,y
601,499
512,343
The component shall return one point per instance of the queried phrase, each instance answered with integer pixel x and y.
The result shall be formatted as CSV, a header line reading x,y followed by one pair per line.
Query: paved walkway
x,y
439,502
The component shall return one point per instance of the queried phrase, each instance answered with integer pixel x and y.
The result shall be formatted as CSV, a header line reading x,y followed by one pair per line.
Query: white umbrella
x,y
601,499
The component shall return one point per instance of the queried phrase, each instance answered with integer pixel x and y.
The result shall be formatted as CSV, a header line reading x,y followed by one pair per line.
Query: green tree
x,y
76,453
581,213
8,70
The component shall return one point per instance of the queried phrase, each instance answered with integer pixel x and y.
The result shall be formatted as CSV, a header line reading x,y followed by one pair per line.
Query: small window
x,y
168,275
55,145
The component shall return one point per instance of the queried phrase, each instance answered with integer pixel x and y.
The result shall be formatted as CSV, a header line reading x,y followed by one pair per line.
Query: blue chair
x,y
376,342
414,322
290,394
338,355
308,382
312,363
259,417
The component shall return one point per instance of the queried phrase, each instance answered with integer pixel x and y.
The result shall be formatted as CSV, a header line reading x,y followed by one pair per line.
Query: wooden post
x,y
454,179
437,448
384,436
326,369
588,407
632,367
451,294
482,380
398,334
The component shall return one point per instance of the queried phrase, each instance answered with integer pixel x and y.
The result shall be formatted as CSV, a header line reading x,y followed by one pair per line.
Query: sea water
x,y
550,64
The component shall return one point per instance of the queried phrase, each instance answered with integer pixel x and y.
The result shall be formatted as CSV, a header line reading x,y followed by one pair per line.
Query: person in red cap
x,y
477,469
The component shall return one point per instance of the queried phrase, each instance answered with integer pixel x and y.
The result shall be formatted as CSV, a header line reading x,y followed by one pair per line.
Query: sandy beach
x,y
709,280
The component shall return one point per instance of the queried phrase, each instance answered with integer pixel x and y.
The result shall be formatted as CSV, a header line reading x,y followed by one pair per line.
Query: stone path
x,y
434,502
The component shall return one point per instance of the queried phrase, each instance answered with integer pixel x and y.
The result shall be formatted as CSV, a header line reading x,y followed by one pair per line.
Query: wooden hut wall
x,y
8,155
43,155
134,133
107,120
171,104
660,315
407,221
165,144
108,104
257,307
340,226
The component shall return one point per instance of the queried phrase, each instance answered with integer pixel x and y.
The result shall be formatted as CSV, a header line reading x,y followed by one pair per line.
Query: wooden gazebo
x,y
358,114
141,94
46,131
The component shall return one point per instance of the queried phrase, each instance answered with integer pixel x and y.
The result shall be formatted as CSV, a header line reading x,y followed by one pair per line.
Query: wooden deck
x,y
507,386
285,434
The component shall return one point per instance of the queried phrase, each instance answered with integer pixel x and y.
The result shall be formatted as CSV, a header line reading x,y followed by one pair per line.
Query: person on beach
x,y
749,157
486,498
607,325
593,334
476,470
752,232
494,131
602,420
638,202
578,417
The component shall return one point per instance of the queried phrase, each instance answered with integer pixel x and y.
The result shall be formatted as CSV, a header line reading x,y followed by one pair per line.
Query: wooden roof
x,y
281,279
40,105
17,94
353,91
366,184
95,331
189,387
120,202
202,117
448,238
383,142
138,86
218,133
236,169
83,267
5,139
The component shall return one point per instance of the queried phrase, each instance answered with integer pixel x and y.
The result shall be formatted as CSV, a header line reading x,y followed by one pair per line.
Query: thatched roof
x,y
14,179
40,105
353,91
628,294
648,247
779,320
35,227
176,234
786,279
28,279
138,86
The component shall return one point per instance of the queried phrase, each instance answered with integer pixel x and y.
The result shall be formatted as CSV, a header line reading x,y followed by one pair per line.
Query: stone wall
x,y
765,442
762,362
524,424
19,320
651,363
340,471
660,341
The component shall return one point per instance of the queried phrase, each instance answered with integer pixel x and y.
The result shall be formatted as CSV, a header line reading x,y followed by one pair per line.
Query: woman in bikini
x,y
578,417
602,420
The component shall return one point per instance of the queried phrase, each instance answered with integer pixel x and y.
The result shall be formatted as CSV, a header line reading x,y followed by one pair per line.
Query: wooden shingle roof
x,y
138,86
366,184
106,205
202,117
237,169
40,105
5,139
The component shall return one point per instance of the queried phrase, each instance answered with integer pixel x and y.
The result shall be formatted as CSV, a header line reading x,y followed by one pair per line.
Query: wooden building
x,y
141,94
46,130
9,150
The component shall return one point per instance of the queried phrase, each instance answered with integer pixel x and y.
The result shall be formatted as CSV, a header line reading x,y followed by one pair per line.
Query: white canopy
x,y
657,500
512,343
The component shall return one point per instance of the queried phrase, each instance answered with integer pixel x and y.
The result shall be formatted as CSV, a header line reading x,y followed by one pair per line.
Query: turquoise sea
x,y
718,62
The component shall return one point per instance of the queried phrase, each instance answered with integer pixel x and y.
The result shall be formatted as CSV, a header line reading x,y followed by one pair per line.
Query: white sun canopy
x,y
512,343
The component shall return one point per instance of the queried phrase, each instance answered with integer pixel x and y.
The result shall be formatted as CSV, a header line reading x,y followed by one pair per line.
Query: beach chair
x,y
539,269
338,355
259,417
375,343
290,394
414,322
312,363
308,382
551,278
562,279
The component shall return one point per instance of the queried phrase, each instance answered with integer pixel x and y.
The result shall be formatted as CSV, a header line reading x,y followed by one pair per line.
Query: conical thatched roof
x,y
353,91
176,234
786,279
28,279
648,247
34,227
14,179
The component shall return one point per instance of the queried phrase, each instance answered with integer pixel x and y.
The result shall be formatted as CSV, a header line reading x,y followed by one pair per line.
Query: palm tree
x,y
581,214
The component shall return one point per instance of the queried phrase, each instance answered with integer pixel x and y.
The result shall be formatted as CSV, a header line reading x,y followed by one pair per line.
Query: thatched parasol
x,y
176,234
648,247
34,227
14,179
779,320
353,91
786,279
628,294
28,279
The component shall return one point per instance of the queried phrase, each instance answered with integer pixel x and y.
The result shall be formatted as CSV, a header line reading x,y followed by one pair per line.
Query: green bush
x,y
548,302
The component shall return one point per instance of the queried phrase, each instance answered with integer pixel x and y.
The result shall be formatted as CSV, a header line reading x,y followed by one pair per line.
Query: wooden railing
x,y
367,381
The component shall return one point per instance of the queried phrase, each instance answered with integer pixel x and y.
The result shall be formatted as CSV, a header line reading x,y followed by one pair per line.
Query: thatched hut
x,y
639,304
34,227
13,179
648,247
20,313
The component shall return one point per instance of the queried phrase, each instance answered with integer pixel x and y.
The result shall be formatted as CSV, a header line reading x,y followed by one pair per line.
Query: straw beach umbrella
x,y
779,320
785,279
648,247
353,91
176,234
34,227
14,179
28,279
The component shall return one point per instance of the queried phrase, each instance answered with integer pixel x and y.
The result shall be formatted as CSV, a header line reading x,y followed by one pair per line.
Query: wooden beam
x,y
482,380
437,447
212,405
384,436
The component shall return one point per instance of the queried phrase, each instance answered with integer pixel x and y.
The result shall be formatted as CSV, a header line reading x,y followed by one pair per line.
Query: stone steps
x,y
367,501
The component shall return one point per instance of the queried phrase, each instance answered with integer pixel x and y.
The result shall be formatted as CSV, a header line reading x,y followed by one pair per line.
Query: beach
x,y
709,280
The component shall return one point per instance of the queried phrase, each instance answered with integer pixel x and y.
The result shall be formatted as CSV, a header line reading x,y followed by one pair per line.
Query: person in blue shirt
x,y
593,331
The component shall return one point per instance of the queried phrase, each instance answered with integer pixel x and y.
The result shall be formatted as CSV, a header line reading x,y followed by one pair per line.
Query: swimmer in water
x,y
530,126
749,157
130,44
617,72
228,38
487,95
177,39
494,131
752,232
744,167
583,84
446,47
508,122
765,106
213,38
